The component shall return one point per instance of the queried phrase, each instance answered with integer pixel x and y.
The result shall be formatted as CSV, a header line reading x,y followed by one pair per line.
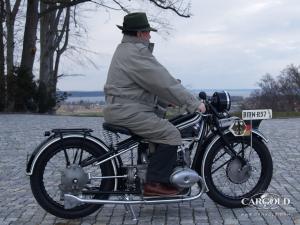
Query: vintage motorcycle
x,y
73,173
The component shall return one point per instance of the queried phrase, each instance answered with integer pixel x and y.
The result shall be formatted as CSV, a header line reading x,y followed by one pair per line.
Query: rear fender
x,y
53,139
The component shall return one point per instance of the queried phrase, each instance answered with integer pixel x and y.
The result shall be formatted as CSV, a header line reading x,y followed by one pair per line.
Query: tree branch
x,y
62,5
59,52
170,7
121,6
106,6
16,8
65,29
8,7
70,75
57,18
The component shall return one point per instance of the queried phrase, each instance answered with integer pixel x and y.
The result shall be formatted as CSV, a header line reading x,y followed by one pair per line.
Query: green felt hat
x,y
136,22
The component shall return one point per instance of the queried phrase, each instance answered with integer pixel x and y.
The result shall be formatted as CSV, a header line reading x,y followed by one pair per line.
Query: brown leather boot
x,y
159,189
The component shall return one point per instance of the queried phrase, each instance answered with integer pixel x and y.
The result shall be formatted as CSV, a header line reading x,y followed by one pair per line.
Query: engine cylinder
x,y
184,177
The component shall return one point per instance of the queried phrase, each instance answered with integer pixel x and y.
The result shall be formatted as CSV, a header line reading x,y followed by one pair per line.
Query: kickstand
x,y
129,207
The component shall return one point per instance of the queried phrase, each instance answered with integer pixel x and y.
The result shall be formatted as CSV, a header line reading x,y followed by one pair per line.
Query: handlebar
x,y
210,110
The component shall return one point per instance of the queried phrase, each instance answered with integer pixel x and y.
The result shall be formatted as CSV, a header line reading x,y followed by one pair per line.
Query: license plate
x,y
257,114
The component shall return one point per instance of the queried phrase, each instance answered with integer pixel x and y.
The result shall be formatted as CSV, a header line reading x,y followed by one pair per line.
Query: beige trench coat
x,y
135,81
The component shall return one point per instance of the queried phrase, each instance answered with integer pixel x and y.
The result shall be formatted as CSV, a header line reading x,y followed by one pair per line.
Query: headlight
x,y
221,101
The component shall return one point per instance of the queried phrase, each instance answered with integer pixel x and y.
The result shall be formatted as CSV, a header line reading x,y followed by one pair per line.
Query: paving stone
x,y
20,134
230,221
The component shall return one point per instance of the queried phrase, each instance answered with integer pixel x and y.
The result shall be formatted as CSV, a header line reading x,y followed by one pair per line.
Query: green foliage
x,y
26,91
48,101
61,96
27,95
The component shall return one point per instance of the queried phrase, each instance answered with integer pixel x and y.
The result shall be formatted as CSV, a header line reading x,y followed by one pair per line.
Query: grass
x,y
84,114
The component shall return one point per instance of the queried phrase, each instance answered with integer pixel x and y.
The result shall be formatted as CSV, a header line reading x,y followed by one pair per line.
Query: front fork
x,y
229,150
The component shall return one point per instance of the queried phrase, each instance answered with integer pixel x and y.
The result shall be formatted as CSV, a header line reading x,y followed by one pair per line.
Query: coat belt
x,y
111,99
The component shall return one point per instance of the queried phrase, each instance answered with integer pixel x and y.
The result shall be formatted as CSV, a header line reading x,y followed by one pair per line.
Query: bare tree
x,y
11,12
289,88
10,25
30,33
281,94
54,38
2,58
179,7
25,92
53,42
289,80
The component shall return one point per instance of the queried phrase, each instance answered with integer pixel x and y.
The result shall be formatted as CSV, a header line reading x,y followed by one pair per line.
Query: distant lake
x,y
86,99
97,99
233,92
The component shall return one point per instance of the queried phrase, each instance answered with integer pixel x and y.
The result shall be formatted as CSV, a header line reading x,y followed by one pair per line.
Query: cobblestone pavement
x,y
20,134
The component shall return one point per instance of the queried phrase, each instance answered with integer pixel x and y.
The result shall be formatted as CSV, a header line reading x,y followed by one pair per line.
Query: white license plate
x,y
257,114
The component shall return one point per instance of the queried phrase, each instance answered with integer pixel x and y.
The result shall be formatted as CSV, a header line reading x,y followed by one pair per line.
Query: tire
x,y
47,192
224,192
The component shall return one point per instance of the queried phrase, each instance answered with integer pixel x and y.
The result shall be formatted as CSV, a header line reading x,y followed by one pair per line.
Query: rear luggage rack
x,y
71,130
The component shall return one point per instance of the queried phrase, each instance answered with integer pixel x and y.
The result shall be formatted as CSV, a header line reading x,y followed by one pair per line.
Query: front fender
x,y
53,139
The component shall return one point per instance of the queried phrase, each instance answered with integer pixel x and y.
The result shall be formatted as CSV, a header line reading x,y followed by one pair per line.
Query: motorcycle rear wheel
x,y
45,180
230,187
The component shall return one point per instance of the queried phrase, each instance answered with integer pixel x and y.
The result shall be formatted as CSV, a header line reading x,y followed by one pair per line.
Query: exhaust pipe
x,y
71,201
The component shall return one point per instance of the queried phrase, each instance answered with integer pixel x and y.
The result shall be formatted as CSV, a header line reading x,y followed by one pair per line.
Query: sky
x,y
224,45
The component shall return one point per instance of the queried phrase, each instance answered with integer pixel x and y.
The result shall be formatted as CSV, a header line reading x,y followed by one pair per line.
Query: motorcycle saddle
x,y
116,129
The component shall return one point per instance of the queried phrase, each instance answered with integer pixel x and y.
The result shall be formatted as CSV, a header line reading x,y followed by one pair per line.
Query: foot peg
x,y
70,201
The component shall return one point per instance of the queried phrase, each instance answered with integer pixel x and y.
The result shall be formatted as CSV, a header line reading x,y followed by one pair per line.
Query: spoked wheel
x,y
58,171
231,179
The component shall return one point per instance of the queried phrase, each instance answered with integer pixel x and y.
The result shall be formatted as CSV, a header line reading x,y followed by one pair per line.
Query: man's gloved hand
x,y
201,107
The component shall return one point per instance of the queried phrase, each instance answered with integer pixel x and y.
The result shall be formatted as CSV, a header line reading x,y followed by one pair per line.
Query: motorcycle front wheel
x,y
232,179
52,167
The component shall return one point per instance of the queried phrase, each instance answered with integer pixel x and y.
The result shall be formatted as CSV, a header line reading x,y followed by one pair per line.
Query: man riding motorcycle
x,y
134,83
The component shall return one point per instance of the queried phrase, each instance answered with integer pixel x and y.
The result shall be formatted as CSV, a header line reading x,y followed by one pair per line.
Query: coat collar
x,y
133,39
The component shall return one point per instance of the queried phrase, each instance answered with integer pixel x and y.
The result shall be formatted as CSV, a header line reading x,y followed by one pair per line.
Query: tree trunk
x,y
2,59
45,66
46,44
29,41
60,50
50,40
25,94
11,79
10,46
47,36
10,24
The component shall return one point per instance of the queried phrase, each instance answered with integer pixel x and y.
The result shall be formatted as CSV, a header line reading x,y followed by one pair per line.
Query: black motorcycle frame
x,y
207,122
